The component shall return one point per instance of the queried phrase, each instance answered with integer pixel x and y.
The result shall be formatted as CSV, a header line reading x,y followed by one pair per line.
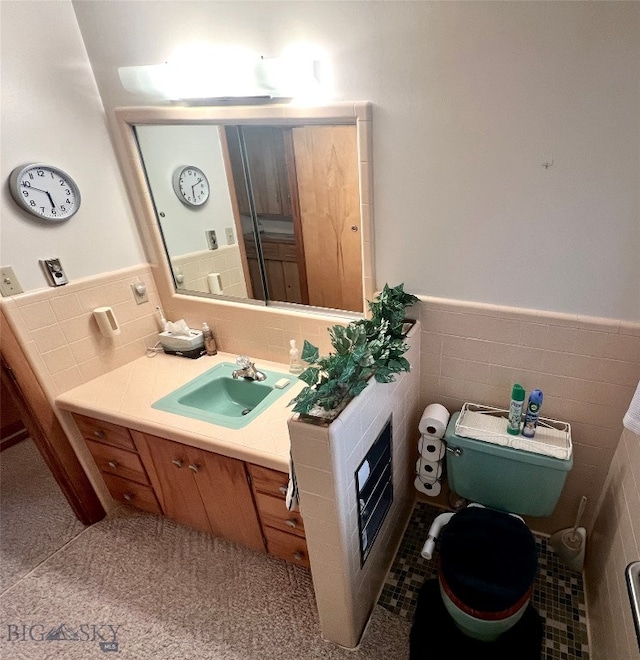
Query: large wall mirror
x,y
270,204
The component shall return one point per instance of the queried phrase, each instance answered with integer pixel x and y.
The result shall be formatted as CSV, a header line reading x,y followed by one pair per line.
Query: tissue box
x,y
191,346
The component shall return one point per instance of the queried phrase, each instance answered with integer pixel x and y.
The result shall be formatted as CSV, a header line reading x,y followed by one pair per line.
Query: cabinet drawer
x,y
274,513
268,481
118,461
132,493
287,546
111,434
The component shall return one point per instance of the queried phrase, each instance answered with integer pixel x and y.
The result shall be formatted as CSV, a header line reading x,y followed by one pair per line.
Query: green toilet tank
x,y
504,478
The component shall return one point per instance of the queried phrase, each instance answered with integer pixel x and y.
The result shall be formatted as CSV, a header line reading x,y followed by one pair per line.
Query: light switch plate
x,y
229,234
9,285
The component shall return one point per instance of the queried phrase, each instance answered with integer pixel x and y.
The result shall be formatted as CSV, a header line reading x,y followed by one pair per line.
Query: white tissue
x,y
363,474
434,420
178,328
631,420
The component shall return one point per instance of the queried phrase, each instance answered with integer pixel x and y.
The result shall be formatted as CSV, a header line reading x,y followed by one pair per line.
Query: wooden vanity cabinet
x,y
224,496
201,489
117,458
283,529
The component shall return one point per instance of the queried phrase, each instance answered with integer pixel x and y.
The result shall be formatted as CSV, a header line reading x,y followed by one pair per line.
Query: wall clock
x,y
191,185
45,191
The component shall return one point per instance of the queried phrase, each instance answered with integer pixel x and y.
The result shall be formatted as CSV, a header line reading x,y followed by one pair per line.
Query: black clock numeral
x,y
52,176
32,202
42,209
53,212
25,193
63,209
67,192
40,172
68,201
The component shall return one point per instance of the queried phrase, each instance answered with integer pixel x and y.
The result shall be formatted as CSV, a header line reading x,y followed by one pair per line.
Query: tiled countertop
x,y
124,396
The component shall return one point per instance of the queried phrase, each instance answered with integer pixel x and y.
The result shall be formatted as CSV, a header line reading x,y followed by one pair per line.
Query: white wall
x,y
471,100
52,113
166,148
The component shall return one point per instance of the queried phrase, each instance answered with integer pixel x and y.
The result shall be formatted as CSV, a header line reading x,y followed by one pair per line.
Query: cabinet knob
x,y
291,522
283,489
298,556
100,434
178,462
194,467
128,496
113,464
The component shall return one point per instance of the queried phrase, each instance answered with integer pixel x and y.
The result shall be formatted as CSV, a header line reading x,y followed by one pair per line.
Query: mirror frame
x,y
358,114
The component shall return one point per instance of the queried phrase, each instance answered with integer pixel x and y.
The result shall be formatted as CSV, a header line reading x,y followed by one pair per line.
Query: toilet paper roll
x,y
107,322
432,449
214,282
434,420
429,470
427,489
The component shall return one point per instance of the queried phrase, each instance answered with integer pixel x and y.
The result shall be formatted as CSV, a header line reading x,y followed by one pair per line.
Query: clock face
x,y
191,186
45,191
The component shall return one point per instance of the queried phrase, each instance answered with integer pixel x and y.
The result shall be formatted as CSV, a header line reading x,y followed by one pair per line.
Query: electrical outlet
x,y
9,285
229,234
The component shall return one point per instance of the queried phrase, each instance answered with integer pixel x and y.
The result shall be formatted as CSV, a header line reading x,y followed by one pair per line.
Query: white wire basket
x,y
479,422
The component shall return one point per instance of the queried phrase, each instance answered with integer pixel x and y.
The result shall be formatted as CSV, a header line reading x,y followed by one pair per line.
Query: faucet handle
x,y
243,361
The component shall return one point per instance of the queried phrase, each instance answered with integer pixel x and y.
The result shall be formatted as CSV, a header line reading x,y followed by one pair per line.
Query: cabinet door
x,y
226,495
167,464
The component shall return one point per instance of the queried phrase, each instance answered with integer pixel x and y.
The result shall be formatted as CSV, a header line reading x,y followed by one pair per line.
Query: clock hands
x,y
46,192
193,186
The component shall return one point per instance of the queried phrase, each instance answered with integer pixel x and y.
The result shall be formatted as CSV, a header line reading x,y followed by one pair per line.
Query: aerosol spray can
x,y
515,409
533,414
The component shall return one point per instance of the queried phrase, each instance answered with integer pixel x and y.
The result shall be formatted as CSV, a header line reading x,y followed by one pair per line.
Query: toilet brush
x,y
569,544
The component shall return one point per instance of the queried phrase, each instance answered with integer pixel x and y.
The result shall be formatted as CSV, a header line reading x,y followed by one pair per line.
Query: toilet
x,y
488,559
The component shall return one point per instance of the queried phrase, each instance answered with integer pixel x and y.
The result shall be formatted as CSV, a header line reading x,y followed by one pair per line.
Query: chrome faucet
x,y
247,369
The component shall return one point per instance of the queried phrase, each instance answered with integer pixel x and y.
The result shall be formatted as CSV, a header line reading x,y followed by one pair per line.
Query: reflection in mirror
x,y
281,219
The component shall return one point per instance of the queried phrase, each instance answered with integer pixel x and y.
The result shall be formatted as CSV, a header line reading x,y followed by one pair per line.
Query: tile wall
x,y
326,461
61,337
588,369
614,543
195,267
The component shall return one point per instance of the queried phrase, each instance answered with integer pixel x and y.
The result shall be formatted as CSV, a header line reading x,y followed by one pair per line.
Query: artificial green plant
x,y
368,347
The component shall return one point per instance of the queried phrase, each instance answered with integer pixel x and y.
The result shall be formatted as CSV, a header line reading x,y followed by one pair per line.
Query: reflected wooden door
x,y
328,188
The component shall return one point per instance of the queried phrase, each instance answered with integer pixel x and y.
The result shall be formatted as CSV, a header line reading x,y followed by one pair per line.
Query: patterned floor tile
x,y
558,592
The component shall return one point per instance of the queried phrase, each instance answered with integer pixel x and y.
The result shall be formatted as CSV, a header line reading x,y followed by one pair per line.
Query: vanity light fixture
x,y
219,75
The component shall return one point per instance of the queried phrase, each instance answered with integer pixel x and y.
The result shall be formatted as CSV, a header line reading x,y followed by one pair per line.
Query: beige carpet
x,y
35,518
173,593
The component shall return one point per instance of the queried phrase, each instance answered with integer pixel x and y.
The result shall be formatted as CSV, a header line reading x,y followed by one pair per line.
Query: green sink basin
x,y
216,397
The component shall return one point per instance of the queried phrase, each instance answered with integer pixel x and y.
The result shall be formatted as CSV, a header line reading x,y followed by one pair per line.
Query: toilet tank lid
x,y
552,437
504,451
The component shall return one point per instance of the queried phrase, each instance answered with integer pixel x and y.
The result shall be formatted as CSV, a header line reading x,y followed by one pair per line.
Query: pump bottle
x,y
209,341
295,366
